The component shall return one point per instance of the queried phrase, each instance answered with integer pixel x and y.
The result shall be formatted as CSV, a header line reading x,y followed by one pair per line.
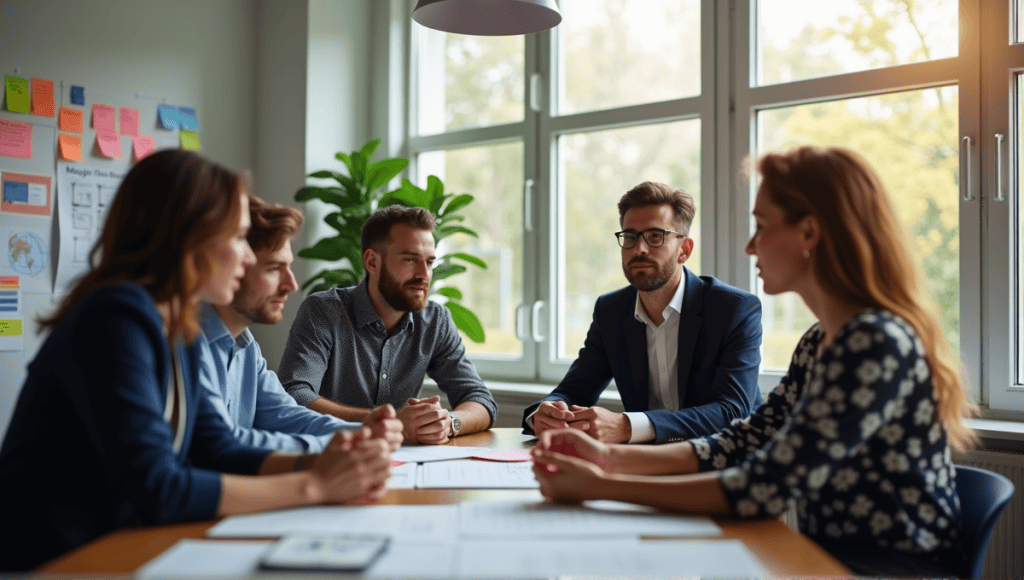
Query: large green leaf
x,y
410,195
331,195
471,259
435,188
436,203
330,249
344,158
359,161
380,173
446,269
333,277
450,292
446,231
466,321
457,203
369,148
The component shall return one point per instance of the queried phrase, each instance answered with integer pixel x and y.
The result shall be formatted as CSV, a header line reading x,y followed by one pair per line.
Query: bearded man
x,y
683,349
353,349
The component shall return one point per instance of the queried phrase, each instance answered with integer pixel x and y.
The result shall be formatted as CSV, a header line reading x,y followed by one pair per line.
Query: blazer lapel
x,y
635,335
690,321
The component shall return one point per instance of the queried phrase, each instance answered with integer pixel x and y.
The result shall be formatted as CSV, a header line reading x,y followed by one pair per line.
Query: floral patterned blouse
x,y
852,437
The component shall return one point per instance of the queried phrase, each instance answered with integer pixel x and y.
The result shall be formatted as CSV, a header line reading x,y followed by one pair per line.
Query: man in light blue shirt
x,y
247,394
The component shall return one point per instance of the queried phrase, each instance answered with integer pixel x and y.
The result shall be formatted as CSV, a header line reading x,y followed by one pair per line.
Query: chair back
x,y
983,496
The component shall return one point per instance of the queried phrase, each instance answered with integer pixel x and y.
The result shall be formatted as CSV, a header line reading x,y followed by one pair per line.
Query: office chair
x,y
983,496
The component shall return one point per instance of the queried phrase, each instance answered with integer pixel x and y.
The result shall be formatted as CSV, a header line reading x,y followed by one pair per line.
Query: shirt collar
x,y
675,304
216,331
365,312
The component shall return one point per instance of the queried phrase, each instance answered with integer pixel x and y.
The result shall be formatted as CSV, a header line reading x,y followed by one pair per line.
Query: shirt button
x,y
383,375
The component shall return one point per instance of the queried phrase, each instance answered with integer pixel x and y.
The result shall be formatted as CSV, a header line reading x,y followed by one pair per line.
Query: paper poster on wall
x,y
15,139
26,194
84,195
12,322
27,256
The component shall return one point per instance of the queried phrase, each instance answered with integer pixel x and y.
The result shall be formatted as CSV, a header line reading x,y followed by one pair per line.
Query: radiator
x,y
1005,557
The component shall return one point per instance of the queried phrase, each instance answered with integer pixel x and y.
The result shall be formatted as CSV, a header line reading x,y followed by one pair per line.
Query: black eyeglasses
x,y
654,237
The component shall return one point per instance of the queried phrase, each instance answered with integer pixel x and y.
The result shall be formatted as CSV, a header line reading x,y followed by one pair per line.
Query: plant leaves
x,y
380,173
466,321
446,231
344,158
450,292
369,148
331,195
471,259
457,203
446,269
333,277
435,188
330,249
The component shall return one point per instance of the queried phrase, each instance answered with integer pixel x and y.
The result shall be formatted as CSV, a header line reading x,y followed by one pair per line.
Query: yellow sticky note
x,y
190,140
18,95
10,327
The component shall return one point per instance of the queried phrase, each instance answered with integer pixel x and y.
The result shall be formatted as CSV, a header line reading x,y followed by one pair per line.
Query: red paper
x,y
103,117
71,120
15,139
129,121
71,147
110,144
508,455
143,145
42,97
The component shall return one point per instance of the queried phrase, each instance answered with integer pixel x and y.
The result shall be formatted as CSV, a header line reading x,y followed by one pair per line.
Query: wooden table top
x,y
783,551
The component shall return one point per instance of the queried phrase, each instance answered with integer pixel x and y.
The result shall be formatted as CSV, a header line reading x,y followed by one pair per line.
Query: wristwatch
x,y
456,424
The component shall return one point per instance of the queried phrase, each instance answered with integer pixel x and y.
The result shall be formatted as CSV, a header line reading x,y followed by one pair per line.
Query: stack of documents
x,y
443,467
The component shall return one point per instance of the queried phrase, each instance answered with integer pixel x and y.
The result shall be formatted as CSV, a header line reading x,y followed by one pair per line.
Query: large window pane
x,y
493,174
910,138
468,81
1018,146
595,170
799,39
618,53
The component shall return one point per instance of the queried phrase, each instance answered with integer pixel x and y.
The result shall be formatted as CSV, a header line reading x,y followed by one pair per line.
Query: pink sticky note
x,y
507,455
129,121
110,144
143,146
103,117
15,139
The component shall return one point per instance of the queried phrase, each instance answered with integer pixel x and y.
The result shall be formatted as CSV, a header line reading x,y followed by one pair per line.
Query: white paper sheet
x,y
84,195
476,474
422,453
205,559
522,559
525,519
403,477
417,521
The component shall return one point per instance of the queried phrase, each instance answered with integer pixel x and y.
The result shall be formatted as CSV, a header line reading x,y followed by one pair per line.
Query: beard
x,y
261,312
649,281
394,294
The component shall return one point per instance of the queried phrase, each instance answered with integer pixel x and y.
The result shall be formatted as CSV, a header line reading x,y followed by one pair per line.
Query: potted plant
x,y
356,196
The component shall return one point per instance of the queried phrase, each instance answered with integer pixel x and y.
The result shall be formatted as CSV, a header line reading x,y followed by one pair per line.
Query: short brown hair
x,y
651,193
272,224
376,231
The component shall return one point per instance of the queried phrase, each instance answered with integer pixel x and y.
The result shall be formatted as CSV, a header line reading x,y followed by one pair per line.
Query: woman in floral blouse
x,y
858,434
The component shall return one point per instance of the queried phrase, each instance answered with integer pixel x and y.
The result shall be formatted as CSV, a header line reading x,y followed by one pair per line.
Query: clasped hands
x,y
425,421
601,424
570,465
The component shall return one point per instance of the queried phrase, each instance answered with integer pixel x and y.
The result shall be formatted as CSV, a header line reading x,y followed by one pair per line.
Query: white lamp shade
x,y
487,17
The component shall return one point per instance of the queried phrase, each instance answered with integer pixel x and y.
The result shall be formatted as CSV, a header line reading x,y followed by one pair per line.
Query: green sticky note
x,y
10,327
190,140
19,98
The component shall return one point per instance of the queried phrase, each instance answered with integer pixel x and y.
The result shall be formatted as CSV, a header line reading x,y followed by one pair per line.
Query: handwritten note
x,y
129,121
18,96
103,118
190,140
77,95
143,146
15,139
109,143
189,121
71,120
168,115
70,147
42,97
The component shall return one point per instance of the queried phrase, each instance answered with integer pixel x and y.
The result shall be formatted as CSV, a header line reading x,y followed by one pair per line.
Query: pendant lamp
x,y
487,17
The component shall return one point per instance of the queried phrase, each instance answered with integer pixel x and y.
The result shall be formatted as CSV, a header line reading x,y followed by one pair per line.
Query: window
x,y
549,132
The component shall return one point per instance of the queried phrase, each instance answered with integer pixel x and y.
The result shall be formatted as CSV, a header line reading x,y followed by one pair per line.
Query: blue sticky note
x,y
15,192
189,121
169,117
77,95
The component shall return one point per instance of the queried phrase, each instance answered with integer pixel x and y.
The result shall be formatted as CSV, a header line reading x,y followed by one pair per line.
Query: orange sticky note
x,y
190,140
71,147
15,139
143,146
129,121
42,97
110,144
71,120
103,118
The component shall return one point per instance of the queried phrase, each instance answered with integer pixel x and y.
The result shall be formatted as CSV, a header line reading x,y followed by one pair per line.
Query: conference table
x,y
784,552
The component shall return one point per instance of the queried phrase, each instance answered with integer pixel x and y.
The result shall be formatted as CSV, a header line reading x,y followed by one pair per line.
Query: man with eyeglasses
x,y
683,349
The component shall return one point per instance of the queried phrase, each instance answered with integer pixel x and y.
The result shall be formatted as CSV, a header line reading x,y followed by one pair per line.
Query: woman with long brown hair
x,y
112,428
858,433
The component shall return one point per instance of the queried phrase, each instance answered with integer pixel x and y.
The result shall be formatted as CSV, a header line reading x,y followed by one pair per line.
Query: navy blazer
x,y
718,357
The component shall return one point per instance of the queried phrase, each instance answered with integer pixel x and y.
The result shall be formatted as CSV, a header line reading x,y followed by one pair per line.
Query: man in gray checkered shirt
x,y
353,349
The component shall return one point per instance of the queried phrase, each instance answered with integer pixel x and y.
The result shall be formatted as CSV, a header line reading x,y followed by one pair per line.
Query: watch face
x,y
456,423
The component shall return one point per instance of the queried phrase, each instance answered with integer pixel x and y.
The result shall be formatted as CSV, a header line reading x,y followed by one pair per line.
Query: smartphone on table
x,y
326,553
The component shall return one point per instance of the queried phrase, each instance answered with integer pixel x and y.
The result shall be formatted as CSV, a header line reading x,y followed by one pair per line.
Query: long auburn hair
x,y
863,257
168,207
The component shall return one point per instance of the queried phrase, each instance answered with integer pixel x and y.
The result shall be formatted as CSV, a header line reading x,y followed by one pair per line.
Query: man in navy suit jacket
x,y
683,349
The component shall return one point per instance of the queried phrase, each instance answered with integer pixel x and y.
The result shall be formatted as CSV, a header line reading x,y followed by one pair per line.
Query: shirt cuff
x,y
529,420
641,426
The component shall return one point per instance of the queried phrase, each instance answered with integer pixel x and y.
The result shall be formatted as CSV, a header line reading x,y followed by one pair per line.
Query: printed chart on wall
x,y
86,192
12,323
27,256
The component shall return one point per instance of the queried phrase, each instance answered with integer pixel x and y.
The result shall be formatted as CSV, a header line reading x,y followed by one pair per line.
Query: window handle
x,y
999,168
535,322
965,181
520,314
528,205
